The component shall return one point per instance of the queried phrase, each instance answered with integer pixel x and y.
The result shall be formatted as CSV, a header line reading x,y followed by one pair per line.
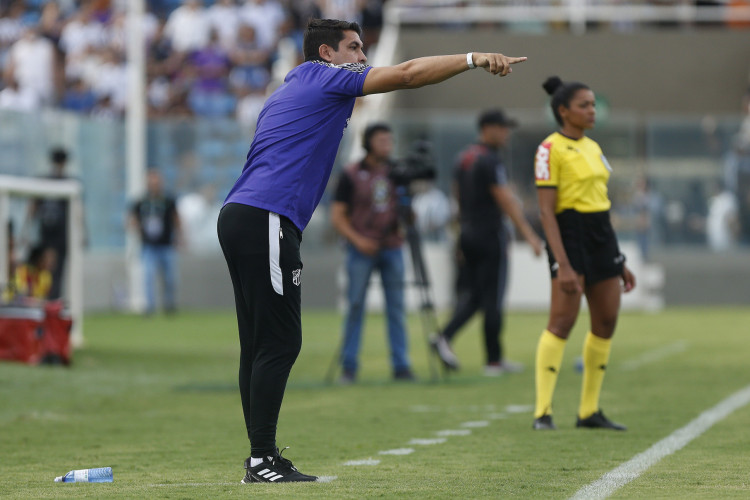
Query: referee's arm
x,y
423,71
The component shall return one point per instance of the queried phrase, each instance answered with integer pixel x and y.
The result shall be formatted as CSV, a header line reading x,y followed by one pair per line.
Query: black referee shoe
x,y
544,423
599,421
274,469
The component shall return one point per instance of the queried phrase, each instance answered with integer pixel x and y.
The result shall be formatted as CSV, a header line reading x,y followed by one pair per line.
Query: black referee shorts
x,y
591,245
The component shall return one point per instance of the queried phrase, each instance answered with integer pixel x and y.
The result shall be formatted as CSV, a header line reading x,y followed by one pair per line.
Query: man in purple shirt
x,y
287,169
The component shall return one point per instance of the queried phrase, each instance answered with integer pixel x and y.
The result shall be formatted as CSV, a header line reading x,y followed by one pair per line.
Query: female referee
x,y
585,259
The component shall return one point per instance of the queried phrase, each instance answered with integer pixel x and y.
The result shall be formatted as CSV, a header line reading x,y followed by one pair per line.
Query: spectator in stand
x,y
51,22
210,67
249,104
267,17
31,63
188,27
342,9
223,18
82,33
250,60
15,98
11,28
78,97
112,79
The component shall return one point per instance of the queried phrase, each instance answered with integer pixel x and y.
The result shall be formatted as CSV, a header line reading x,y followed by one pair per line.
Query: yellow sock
x,y
549,353
595,358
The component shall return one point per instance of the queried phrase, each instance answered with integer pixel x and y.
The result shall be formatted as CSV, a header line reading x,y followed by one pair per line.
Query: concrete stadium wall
x,y
697,71
691,277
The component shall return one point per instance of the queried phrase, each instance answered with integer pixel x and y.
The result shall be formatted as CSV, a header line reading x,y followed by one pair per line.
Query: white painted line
x,y
630,470
654,355
454,432
476,424
326,479
184,485
422,408
366,461
397,451
519,408
497,416
427,442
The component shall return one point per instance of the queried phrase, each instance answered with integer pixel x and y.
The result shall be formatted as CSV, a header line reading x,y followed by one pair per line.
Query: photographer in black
x,y
365,211
484,198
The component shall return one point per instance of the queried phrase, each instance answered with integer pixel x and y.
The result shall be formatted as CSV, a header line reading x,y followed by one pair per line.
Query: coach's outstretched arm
x,y
423,71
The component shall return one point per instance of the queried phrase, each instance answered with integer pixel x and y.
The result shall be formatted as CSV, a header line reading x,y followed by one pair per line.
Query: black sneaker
x,y
544,423
274,469
599,421
404,375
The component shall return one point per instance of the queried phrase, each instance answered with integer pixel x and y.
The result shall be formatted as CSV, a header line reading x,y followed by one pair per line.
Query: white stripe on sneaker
x,y
278,476
274,251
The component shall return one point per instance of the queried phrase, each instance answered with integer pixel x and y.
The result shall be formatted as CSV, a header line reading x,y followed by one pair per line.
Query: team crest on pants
x,y
297,276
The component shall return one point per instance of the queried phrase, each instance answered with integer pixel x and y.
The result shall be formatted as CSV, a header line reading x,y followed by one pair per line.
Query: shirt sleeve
x,y
347,80
492,171
344,189
546,169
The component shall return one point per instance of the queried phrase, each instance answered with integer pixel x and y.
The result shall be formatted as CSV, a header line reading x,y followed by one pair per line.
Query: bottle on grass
x,y
98,475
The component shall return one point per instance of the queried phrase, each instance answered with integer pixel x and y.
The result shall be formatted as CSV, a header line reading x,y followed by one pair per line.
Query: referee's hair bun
x,y
552,84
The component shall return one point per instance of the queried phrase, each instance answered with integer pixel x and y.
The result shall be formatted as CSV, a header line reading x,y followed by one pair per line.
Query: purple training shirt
x,y
296,140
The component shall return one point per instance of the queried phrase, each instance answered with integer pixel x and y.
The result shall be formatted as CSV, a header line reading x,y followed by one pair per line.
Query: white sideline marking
x,y
475,424
367,461
397,451
519,408
630,470
326,479
454,432
654,355
183,485
427,442
497,416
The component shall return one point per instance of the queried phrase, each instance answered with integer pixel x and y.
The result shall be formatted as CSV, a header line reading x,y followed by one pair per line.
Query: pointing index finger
x,y
514,60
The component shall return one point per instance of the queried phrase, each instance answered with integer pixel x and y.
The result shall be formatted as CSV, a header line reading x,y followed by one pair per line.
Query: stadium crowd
x,y
206,58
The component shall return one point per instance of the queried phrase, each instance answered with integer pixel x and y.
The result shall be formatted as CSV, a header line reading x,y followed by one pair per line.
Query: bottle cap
x,y
58,479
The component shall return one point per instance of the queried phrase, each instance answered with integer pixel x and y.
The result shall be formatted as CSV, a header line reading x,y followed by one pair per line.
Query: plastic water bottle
x,y
99,475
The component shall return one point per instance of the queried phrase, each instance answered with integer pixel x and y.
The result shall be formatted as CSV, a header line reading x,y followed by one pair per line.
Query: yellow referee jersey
x,y
579,171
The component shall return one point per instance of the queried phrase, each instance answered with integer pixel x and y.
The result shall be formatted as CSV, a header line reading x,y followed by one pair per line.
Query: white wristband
x,y
470,60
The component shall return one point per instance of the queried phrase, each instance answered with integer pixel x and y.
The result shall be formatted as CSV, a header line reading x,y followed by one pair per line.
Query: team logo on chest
x,y
297,277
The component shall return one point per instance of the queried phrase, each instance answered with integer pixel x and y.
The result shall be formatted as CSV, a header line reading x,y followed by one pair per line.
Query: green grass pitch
x,y
156,399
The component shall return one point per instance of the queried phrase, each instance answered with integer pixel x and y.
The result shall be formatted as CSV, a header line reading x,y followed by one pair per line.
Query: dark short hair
x,y
562,93
58,155
495,117
370,131
325,31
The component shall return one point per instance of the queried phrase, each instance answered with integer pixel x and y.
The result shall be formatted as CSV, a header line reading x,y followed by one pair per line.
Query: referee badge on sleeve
x,y
541,162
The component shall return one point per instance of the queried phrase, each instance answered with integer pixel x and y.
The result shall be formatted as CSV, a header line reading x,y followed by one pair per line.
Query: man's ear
x,y
326,52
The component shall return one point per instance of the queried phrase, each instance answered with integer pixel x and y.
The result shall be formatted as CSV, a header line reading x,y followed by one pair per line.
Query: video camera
x,y
418,165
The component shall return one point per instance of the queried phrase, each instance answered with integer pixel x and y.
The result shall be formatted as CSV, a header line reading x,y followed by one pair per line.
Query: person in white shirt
x,y
15,98
267,17
223,18
31,64
188,27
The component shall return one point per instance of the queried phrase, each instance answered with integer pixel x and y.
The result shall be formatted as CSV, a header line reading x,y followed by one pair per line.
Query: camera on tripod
x,y
419,164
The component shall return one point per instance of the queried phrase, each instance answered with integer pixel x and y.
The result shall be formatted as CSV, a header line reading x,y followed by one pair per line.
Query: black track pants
x,y
262,252
486,268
